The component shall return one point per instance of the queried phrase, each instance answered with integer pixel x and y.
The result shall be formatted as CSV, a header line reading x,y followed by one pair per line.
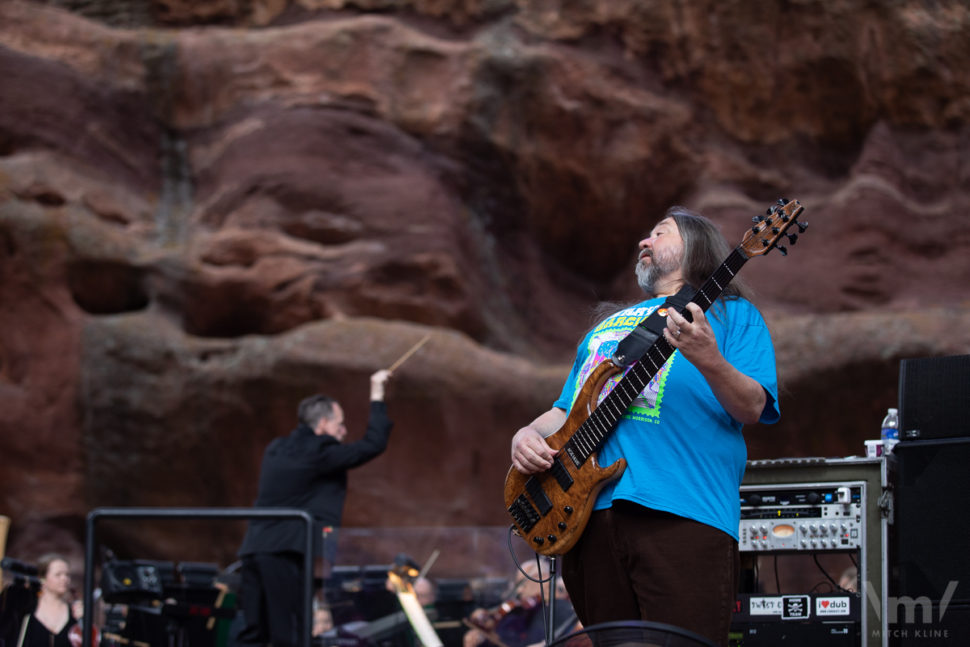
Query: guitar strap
x,y
634,345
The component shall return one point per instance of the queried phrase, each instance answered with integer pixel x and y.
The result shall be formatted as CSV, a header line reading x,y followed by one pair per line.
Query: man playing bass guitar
x,y
661,542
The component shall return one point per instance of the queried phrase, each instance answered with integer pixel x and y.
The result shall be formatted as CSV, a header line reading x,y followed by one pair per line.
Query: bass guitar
x,y
550,509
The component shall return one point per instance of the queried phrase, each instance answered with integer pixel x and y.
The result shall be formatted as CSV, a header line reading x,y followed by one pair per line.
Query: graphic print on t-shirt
x,y
603,342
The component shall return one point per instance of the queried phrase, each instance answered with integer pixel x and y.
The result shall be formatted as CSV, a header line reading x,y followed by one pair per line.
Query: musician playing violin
x,y
661,543
518,621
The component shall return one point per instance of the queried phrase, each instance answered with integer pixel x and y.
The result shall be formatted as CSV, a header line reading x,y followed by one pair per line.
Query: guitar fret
x,y
593,434
626,393
585,446
575,445
612,409
602,420
637,374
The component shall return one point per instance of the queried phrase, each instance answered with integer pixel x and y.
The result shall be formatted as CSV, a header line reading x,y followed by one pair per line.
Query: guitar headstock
x,y
768,229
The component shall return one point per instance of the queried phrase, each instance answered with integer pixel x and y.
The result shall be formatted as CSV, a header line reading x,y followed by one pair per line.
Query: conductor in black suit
x,y
305,470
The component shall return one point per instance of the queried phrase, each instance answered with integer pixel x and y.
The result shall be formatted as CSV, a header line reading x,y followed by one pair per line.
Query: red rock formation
x,y
210,209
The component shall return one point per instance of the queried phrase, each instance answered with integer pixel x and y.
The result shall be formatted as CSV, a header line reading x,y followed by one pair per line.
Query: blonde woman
x,y
50,623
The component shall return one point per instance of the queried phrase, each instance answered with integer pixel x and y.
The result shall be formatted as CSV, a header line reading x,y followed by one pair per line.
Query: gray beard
x,y
647,277
659,268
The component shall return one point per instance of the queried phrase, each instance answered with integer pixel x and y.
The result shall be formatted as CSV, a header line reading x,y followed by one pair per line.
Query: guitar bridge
x,y
523,514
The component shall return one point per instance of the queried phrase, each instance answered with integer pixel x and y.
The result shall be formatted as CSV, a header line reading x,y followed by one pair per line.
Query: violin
x,y
76,635
486,619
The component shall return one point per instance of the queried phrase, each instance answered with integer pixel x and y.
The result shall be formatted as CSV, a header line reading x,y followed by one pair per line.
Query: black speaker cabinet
x,y
934,397
931,532
950,625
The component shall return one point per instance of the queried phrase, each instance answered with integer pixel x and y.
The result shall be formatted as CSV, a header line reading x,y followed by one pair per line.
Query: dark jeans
x,y
634,563
271,599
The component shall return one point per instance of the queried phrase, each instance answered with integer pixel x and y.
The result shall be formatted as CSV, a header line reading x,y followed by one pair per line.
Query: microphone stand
x,y
550,624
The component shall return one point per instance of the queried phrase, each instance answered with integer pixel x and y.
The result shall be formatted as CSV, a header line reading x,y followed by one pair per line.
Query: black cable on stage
x,y
825,573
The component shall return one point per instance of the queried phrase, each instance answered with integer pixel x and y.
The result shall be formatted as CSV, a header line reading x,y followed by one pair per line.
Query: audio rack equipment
x,y
799,515
802,517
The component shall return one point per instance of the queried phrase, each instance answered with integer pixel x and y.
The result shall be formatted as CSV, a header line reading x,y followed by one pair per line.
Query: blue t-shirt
x,y
685,454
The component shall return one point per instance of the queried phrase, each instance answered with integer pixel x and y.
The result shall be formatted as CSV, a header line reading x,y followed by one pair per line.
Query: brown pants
x,y
634,563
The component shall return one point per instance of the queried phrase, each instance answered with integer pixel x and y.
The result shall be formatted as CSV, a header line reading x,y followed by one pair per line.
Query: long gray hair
x,y
704,250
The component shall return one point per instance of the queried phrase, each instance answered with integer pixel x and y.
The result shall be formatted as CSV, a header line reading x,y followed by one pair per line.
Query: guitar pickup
x,y
538,495
523,514
561,474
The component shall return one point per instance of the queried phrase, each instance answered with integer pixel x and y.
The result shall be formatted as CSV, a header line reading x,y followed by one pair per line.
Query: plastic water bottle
x,y
890,430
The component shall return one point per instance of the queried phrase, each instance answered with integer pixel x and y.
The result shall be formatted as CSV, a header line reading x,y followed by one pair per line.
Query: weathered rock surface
x,y
211,209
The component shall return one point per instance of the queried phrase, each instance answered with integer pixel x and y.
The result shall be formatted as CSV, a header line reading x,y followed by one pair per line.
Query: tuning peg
x,y
757,218
771,210
792,238
782,201
802,226
782,250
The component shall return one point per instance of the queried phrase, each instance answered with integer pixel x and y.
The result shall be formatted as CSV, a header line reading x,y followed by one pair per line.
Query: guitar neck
x,y
590,435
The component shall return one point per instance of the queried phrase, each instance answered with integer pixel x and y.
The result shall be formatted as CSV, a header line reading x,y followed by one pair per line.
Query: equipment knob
x,y
562,525
754,499
551,538
568,509
812,497
539,541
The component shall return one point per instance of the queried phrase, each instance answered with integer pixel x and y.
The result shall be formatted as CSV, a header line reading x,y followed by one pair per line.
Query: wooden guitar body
x,y
570,499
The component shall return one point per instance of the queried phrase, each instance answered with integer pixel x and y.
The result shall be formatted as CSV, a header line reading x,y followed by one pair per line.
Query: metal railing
x,y
197,513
